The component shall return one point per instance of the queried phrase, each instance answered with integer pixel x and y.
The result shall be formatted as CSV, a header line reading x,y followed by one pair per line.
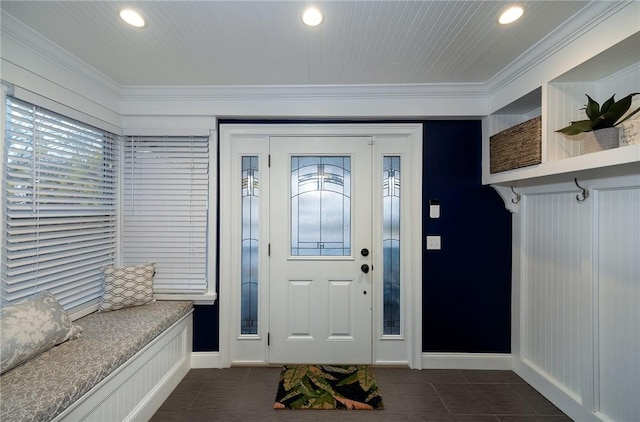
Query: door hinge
x,y
269,160
268,339
269,249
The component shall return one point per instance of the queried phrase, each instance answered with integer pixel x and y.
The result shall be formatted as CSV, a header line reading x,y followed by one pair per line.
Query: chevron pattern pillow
x,y
125,287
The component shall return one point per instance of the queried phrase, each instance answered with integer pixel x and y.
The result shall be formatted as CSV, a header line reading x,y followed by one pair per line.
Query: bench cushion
x,y
43,387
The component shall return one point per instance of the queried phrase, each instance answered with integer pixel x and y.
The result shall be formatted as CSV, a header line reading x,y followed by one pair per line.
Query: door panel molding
x,y
321,216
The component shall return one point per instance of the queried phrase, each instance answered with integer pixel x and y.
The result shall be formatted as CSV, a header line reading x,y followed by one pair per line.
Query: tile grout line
x,y
525,400
195,396
441,399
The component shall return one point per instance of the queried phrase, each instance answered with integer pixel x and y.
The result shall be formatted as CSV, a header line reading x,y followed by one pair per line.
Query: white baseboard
x,y
553,391
205,360
498,361
429,361
392,363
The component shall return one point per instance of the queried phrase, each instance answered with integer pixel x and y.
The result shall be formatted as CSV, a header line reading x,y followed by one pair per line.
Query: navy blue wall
x,y
206,336
466,299
467,284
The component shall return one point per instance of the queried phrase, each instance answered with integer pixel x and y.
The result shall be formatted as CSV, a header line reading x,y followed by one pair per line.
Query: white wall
x,y
577,294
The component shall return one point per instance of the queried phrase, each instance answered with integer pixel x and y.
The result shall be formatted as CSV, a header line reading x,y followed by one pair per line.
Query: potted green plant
x,y
602,121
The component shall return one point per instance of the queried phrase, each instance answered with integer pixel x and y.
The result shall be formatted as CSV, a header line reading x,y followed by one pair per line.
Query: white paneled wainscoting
x,y
576,290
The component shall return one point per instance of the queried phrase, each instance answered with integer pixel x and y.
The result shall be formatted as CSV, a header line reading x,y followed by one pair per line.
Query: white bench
x,y
123,367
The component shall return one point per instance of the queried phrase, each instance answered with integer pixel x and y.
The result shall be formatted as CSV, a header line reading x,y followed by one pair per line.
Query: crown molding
x,y
35,43
303,92
582,22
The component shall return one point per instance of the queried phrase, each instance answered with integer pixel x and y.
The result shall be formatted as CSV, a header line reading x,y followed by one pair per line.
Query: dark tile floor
x,y
247,394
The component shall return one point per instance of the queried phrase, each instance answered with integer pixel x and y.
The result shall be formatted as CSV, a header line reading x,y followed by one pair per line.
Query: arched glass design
x,y
391,245
320,206
250,238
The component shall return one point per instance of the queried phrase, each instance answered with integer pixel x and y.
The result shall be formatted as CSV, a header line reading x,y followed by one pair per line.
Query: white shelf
x,y
616,70
603,159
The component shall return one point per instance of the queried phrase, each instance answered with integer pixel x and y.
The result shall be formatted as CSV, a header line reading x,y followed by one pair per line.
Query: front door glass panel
x,y
321,206
250,242
391,244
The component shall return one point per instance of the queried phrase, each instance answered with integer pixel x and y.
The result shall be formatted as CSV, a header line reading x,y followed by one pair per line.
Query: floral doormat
x,y
328,387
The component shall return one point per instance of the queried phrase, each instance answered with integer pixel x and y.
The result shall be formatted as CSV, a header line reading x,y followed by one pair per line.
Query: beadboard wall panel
x,y
502,122
619,304
578,295
553,238
567,98
621,84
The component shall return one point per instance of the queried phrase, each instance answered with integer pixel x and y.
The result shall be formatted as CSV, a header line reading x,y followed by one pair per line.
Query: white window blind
x,y
165,207
59,201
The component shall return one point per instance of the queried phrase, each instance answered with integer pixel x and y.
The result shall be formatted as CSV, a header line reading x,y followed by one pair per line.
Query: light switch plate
x,y
433,243
434,211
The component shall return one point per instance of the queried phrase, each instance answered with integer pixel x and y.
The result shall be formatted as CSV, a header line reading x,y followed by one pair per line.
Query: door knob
x,y
364,252
364,268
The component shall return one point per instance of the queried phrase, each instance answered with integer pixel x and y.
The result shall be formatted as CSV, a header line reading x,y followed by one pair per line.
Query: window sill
x,y
208,298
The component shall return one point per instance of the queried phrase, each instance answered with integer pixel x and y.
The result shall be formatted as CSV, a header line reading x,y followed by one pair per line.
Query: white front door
x,y
320,264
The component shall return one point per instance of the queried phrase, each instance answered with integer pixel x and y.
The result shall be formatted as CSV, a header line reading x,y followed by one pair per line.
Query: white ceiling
x,y
231,43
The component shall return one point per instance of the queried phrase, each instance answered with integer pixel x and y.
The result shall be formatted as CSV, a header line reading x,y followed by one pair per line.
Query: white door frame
x,y
403,139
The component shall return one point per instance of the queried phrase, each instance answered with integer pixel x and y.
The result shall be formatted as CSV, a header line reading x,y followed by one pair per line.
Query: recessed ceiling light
x,y
133,18
512,14
312,17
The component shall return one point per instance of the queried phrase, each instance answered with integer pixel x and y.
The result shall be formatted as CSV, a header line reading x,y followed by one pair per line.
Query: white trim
x,y
83,311
207,298
496,361
582,22
206,360
387,363
169,125
65,110
325,107
553,391
439,91
508,195
417,176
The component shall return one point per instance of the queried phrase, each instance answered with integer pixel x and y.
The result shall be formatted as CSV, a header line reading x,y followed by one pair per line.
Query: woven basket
x,y
516,147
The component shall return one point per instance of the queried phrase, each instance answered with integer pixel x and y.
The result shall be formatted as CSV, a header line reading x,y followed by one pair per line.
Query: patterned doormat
x,y
328,387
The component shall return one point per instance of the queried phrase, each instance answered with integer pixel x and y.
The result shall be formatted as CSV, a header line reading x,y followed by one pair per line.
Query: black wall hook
x,y
585,192
518,196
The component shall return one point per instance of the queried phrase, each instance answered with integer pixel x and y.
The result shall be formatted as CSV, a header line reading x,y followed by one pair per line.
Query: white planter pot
x,y
601,139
